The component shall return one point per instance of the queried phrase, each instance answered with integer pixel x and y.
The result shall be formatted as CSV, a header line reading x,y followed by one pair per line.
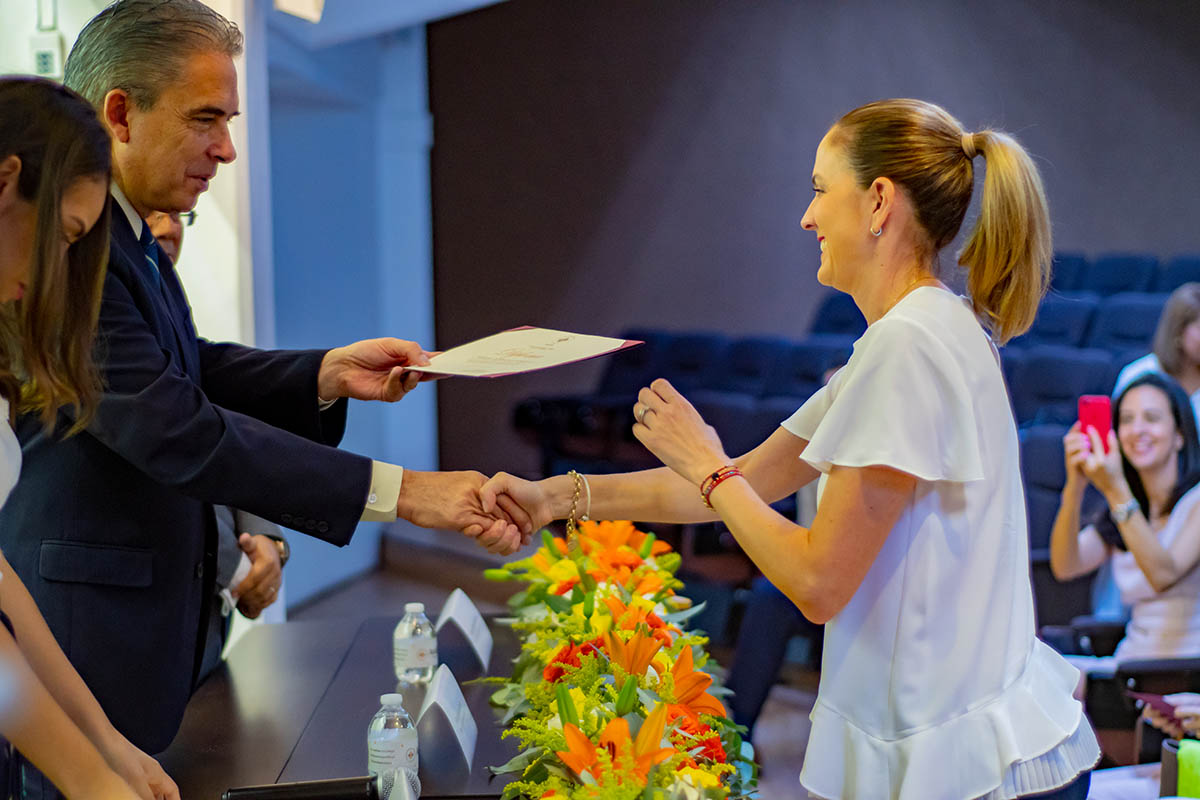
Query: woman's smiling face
x,y
1146,429
840,215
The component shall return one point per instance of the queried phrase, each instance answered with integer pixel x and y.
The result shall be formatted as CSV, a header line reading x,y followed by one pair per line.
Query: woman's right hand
x,y
1076,448
531,496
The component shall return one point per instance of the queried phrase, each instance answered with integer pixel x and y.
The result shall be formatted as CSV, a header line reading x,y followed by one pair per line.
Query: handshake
x,y
501,514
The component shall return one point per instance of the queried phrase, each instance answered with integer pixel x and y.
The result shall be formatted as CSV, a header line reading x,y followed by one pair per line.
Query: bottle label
x,y
415,652
399,750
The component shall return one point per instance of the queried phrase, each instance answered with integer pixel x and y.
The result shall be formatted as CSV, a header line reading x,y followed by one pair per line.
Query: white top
x,y
933,683
10,459
1161,624
10,454
1139,367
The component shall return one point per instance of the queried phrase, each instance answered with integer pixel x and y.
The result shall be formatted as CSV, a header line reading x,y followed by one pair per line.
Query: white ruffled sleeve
x,y
900,402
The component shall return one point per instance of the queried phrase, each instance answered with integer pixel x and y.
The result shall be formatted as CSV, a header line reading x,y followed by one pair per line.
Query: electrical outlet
x,y
46,50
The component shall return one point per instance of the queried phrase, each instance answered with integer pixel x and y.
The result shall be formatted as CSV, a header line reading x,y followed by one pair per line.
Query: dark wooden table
x,y
293,702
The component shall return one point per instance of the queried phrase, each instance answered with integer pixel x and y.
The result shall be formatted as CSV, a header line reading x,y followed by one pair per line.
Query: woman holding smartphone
x,y
933,683
54,173
1147,468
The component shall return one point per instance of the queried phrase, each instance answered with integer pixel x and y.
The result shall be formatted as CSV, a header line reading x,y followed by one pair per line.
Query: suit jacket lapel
x,y
181,313
167,300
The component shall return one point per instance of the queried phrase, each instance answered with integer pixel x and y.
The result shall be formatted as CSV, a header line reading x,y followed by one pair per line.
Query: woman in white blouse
x,y
933,683
54,171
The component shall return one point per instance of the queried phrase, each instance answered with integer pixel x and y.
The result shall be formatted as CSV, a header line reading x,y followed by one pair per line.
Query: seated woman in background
x,y
1176,345
1151,528
54,174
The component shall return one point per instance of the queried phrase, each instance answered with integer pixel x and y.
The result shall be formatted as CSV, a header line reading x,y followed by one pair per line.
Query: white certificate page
x,y
521,350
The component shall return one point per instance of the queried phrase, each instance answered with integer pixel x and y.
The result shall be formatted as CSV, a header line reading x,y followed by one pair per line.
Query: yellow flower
x,y
563,570
698,777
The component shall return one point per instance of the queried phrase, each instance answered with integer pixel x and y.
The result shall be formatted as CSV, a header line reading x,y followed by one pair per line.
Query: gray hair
x,y
142,46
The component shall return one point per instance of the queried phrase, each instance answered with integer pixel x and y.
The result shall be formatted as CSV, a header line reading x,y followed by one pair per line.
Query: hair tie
x,y
968,145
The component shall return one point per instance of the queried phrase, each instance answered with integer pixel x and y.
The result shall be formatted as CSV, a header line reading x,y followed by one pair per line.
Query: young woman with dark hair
x,y
54,173
1150,530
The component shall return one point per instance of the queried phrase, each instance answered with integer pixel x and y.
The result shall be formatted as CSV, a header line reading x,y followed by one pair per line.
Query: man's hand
x,y
451,500
260,588
531,496
372,369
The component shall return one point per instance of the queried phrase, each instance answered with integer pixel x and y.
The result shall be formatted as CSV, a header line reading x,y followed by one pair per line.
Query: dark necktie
x,y
150,249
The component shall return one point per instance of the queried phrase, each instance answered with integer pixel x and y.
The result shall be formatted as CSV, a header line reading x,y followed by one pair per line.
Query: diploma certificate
x,y
521,350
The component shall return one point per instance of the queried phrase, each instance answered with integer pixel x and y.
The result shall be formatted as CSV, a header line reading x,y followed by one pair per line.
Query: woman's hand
x,y
504,491
670,428
145,775
1104,469
1075,449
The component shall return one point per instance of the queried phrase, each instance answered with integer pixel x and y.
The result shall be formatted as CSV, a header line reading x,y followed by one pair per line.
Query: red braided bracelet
x,y
716,479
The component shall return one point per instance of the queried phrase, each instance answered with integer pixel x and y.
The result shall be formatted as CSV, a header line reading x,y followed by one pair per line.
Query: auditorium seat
x,y
1118,272
693,360
837,313
748,366
1043,472
1061,319
802,369
631,369
1176,272
1049,381
1066,271
729,400
1126,322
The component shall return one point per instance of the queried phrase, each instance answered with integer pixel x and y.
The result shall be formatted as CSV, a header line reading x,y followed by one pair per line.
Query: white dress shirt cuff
x,y
385,492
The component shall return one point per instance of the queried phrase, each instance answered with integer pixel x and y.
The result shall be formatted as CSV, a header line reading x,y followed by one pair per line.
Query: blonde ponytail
x,y
1008,254
922,148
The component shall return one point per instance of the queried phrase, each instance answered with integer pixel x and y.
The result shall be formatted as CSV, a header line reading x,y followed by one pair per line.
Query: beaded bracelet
x,y
711,482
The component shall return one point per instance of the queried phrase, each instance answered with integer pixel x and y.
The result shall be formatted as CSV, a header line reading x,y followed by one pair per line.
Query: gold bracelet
x,y
572,530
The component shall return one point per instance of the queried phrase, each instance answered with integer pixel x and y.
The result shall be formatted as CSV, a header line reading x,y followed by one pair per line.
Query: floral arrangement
x,y
610,697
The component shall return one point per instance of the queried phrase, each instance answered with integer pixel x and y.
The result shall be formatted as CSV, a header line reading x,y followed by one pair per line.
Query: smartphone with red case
x,y
1095,411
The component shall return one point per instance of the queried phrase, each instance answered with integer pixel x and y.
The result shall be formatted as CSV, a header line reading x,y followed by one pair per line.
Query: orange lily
x,y
644,752
649,584
628,618
691,697
633,656
612,534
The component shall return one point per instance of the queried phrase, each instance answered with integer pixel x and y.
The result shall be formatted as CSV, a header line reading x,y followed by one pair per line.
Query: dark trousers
x,y
1075,790
770,620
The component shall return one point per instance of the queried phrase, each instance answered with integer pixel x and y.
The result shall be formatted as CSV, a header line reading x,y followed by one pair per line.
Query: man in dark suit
x,y
113,530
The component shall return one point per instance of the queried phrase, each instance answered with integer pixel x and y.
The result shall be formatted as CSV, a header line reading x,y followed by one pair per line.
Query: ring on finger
x,y
639,414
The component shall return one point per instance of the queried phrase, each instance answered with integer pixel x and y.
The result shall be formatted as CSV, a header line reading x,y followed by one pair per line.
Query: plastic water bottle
x,y
391,738
414,646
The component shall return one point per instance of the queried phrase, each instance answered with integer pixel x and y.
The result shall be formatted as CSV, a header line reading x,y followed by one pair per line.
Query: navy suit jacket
x,y
113,531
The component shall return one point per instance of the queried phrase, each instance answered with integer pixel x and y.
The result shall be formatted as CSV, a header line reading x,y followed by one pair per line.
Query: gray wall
x,y
622,162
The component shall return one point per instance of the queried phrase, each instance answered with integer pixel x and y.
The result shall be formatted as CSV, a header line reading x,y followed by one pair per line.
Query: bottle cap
x,y
414,608
391,699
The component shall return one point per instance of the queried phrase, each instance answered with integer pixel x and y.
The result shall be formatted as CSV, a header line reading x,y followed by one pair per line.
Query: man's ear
x,y
10,175
114,111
